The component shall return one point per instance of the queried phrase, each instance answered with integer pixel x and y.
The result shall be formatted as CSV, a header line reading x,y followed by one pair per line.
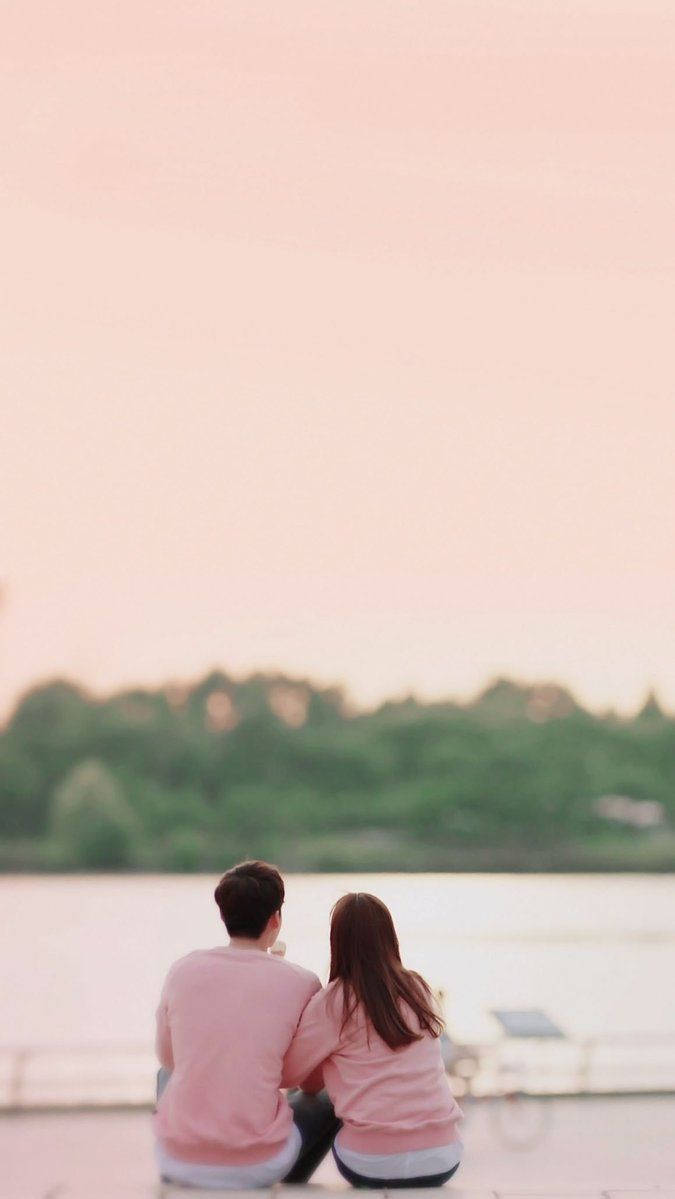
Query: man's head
x,y
249,897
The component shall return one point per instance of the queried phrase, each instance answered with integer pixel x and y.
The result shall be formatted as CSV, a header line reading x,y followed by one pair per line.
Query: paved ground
x,y
590,1146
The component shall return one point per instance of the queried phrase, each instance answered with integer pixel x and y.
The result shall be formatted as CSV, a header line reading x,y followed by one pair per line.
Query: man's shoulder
x,y
293,972
193,960
205,959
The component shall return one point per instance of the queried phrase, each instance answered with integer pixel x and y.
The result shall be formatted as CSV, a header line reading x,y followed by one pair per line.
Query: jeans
x,y
378,1184
315,1120
317,1124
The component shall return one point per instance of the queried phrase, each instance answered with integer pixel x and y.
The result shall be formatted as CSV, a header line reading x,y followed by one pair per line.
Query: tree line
x,y
193,777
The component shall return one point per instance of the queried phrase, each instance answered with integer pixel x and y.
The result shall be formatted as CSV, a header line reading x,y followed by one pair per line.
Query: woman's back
x,y
389,1100
372,1038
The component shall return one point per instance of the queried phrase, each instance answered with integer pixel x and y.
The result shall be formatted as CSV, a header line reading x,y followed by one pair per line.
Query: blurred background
x,y
337,528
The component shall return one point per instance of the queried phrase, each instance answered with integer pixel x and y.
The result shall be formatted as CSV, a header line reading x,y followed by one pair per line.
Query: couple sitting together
x,y
264,1071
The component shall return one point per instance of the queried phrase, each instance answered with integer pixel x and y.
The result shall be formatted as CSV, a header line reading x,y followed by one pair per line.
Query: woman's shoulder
x,y
323,1010
328,997
327,1004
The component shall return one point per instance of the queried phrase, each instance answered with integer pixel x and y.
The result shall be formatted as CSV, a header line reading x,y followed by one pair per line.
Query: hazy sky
x,y
339,339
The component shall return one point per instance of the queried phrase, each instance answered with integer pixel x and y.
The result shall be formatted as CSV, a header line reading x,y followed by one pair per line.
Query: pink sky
x,y
339,340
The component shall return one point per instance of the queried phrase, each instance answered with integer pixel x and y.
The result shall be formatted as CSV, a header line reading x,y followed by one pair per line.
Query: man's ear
x,y
274,923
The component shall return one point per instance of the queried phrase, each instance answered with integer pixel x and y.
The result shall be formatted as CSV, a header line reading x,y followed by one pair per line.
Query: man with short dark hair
x,y
248,896
225,1020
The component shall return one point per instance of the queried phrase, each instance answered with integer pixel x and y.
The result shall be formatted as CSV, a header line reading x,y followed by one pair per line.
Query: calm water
x,y
84,957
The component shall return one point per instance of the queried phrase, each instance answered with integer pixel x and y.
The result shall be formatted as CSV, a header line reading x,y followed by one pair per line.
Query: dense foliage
x,y
191,778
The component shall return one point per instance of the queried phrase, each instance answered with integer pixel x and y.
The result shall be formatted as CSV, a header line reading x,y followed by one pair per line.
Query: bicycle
x,y
518,1117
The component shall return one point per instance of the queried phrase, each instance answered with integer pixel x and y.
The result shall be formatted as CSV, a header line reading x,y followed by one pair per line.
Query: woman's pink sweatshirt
x,y
390,1100
225,1020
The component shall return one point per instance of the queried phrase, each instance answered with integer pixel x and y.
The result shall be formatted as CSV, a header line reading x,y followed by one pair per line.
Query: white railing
x,y
117,1074
76,1075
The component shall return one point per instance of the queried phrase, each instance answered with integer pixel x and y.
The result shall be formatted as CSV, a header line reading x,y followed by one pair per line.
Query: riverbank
x,y
380,849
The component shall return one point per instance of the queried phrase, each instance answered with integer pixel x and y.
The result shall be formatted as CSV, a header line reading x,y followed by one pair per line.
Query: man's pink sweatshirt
x,y
390,1100
225,1020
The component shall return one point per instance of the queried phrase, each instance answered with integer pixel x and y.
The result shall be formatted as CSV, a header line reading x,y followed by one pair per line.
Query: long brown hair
x,y
365,958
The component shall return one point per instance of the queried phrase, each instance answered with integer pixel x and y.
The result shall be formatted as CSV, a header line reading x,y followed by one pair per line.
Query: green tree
x,y
20,802
51,727
92,819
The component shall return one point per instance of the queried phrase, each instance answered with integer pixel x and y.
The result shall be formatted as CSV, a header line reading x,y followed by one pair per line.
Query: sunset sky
x,y
339,340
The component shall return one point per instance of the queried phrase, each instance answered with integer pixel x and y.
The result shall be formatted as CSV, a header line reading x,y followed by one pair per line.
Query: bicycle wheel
x,y
519,1120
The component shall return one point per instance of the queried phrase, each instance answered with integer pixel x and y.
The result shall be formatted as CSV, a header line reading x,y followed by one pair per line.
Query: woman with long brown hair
x,y
372,1039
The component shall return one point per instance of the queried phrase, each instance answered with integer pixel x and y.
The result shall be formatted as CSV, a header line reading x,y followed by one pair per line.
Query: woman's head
x,y
365,958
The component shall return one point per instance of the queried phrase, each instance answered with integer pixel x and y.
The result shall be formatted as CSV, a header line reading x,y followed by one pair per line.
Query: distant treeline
x,y
195,777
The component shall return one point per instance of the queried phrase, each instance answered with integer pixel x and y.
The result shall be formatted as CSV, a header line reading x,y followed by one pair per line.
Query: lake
x,y
84,957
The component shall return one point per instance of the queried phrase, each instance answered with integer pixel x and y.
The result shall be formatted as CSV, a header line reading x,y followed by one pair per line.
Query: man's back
x,y
225,1020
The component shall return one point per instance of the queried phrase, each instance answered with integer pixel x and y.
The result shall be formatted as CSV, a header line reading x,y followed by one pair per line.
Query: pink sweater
x,y
225,1020
391,1100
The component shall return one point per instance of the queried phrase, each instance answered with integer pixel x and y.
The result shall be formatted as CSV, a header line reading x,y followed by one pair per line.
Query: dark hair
x,y
247,896
365,957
